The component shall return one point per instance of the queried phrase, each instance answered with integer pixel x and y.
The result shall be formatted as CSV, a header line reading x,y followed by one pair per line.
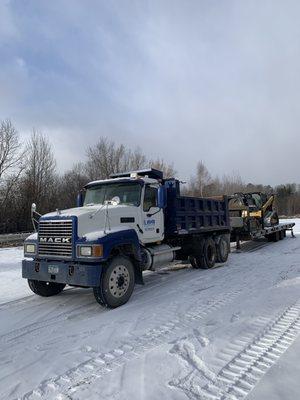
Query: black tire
x,y
205,257
45,289
222,249
275,236
281,235
117,283
210,253
197,258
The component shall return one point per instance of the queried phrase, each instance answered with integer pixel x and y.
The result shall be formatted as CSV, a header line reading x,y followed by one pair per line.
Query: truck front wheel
x,y
45,289
117,283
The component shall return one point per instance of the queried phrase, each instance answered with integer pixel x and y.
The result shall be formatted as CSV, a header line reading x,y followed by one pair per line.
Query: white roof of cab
x,y
139,178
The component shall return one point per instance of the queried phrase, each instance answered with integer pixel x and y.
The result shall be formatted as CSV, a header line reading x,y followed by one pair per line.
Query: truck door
x,y
152,221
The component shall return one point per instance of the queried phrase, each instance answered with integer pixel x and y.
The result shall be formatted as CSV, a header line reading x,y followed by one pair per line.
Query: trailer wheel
x,y
117,283
274,237
222,249
45,289
205,257
281,235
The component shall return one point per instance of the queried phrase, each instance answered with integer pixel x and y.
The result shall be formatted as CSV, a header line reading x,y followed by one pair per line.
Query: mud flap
x,y
138,274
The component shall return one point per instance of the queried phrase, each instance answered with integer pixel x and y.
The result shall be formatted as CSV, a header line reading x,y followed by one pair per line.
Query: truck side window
x,y
150,198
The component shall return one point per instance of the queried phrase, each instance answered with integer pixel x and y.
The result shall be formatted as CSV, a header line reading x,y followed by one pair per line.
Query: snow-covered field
x,y
226,333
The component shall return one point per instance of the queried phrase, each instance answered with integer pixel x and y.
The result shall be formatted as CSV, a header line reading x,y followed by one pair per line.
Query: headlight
x,y
29,248
85,251
95,250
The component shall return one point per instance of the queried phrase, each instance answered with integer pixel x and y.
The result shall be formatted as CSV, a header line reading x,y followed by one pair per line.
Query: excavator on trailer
x,y
252,215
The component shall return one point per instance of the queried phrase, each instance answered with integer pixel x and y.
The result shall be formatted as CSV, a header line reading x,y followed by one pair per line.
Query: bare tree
x,y
39,183
214,187
199,183
104,159
70,184
232,184
11,167
135,160
203,177
10,154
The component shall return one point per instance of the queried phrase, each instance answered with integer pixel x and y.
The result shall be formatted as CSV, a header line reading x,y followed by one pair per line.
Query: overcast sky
x,y
217,81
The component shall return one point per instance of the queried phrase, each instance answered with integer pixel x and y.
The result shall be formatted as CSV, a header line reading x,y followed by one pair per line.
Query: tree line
x,y
28,174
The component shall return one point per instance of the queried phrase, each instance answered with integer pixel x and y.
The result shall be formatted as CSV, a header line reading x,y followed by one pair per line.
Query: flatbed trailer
x,y
272,233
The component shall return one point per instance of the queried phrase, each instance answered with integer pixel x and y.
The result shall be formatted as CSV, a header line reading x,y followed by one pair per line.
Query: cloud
x,y
8,28
217,81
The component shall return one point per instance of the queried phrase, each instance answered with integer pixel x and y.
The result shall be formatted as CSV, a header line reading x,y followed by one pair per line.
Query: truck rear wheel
x,y
45,289
117,283
205,257
197,259
222,249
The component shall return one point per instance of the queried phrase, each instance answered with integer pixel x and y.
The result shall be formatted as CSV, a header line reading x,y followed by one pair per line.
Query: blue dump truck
x,y
122,226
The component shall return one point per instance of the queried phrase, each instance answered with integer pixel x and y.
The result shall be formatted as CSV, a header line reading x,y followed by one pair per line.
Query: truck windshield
x,y
126,193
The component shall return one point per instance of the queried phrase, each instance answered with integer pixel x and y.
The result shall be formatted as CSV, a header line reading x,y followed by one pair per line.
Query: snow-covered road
x,y
224,333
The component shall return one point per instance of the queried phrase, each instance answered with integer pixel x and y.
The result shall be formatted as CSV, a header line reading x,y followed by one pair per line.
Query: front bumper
x,y
68,273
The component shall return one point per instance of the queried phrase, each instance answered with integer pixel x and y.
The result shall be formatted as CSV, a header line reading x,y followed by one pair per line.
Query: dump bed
x,y
187,215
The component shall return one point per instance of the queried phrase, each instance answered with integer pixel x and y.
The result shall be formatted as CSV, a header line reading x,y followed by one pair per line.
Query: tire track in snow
x,y
10,303
153,279
241,374
27,329
9,337
26,300
63,386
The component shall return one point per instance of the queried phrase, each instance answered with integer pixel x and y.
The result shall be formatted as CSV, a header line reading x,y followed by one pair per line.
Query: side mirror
x,y
79,201
162,197
35,216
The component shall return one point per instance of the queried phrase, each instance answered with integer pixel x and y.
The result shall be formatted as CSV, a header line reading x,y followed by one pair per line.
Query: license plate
x,y
53,269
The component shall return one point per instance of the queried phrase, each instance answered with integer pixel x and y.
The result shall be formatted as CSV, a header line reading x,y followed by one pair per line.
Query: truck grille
x,y
55,238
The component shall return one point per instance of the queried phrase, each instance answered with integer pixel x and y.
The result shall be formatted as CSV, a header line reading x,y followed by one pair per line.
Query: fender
x,y
117,238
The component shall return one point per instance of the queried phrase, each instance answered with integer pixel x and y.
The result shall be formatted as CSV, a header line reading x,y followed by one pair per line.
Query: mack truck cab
x,y
121,226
